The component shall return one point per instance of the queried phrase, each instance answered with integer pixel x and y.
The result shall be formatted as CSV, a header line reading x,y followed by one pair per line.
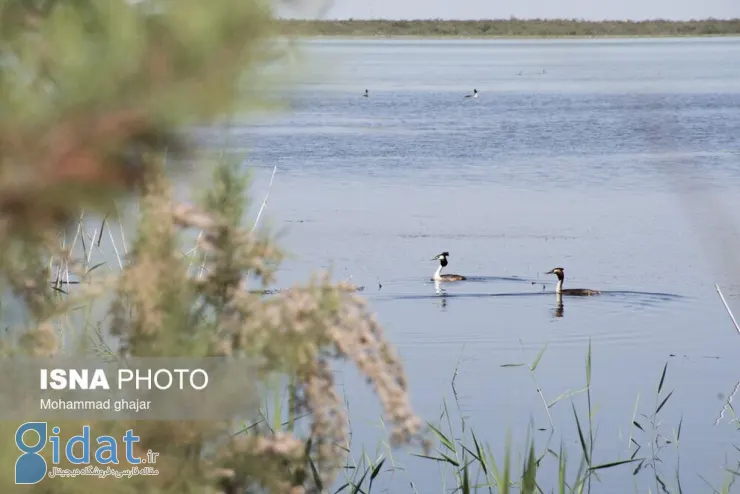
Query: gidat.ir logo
x,y
32,437
30,467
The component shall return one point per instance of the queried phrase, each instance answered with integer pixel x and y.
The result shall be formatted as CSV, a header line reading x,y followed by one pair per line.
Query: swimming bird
x,y
367,93
442,258
474,95
560,273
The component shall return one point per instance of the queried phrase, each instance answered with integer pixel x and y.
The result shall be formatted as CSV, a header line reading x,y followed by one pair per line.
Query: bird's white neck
x,y
559,288
437,273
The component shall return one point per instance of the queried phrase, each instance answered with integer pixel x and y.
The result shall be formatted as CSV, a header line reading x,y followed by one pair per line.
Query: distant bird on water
x,y
367,93
474,95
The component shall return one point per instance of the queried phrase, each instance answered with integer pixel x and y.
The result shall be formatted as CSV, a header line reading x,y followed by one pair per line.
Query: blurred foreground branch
x,y
94,96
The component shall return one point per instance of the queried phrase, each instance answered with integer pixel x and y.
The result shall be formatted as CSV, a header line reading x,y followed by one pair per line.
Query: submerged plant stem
x,y
728,308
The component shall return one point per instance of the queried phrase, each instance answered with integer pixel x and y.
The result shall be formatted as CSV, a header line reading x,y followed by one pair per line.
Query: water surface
x,y
594,155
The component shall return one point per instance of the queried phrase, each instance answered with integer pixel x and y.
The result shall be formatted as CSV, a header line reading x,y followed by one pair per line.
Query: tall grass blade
x,y
291,404
590,410
449,426
566,394
634,416
451,461
102,228
443,439
539,357
505,486
480,455
662,378
344,486
264,203
588,364
466,480
375,473
277,418
358,486
734,322
581,437
491,460
94,268
662,404
663,486
678,433
529,473
428,457
315,475
561,470
614,464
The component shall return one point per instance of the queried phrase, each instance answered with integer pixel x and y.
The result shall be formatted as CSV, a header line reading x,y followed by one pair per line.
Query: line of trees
x,y
509,27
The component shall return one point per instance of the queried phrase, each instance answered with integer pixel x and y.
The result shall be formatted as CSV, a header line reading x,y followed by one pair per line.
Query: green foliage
x,y
98,100
89,86
527,467
508,28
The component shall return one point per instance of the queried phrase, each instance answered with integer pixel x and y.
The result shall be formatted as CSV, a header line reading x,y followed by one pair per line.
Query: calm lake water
x,y
618,160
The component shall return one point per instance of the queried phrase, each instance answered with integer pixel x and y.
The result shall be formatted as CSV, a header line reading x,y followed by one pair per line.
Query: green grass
x,y
468,463
508,28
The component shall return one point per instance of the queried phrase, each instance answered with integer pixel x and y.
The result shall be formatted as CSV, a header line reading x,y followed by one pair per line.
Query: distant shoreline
x,y
413,37
506,29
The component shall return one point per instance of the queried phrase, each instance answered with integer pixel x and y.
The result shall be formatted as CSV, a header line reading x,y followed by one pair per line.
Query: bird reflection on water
x,y
442,294
438,288
559,310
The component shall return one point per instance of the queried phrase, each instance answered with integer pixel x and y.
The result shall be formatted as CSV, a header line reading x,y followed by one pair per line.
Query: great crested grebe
x,y
442,258
474,95
560,273
367,93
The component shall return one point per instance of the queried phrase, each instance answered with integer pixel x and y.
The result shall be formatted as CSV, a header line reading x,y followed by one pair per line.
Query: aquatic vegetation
x,y
468,463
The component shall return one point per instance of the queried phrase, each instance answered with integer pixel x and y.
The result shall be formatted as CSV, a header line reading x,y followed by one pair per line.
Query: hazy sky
x,y
477,9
